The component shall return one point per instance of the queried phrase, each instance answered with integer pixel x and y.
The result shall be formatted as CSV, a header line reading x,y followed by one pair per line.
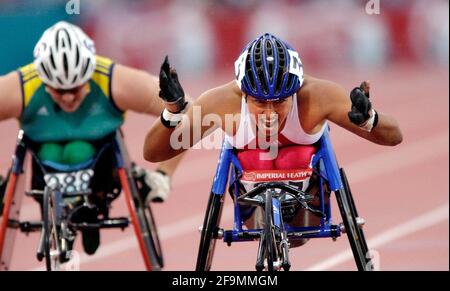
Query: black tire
x,y
354,233
210,228
368,264
269,232
352,204
149,231
46,229
51,235
3,183
153,230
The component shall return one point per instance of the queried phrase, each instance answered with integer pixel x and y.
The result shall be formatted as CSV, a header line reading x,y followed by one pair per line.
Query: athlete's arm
x,y
136,90
337,104
163,143
10,96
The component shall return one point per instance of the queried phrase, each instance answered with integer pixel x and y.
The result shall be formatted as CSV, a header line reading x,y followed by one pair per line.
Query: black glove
x,y
361,105
170,88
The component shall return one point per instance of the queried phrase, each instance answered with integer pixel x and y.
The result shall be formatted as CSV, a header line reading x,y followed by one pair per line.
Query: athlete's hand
x,y
170,88
160,185
361,105
154,186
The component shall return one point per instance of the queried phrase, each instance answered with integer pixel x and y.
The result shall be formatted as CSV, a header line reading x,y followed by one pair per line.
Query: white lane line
x,y
374,165
400,157
419,223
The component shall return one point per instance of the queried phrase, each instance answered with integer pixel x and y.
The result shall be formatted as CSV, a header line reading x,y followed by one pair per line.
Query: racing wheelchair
x,y
66,197
276,234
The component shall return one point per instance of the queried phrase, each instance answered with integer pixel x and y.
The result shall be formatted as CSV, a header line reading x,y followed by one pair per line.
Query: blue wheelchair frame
x,y
325,164
329,170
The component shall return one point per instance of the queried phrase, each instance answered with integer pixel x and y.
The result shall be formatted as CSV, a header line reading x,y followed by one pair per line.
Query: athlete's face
x,y
270,116
68,100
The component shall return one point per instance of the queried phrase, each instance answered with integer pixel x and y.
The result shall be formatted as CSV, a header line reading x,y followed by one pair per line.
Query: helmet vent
x,y
269,49
249,73
77,57
57,40
86,67
251,80
52,59
66,66
260,74
270,61
46,72
290,81
279,83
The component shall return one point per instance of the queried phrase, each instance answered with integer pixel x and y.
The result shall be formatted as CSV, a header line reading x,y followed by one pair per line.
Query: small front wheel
x,y
269,233
50,230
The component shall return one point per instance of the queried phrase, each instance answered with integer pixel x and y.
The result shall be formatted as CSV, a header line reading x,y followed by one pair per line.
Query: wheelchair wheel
x,y
148,221
3,183
156,252
149,233
353,206
50,229
209,233
354,232
269,233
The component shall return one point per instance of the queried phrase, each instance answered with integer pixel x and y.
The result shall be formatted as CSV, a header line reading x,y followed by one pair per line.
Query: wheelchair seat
x,y
292,166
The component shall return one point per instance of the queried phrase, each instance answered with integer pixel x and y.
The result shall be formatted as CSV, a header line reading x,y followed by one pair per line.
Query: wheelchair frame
x,y
324,162
140,214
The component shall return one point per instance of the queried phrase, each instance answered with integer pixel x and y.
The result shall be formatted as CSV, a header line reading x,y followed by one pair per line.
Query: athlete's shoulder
x,y
28,72
30,82
232,91
103,74
103,64
221,99
318,88
321,96
222,93
225,95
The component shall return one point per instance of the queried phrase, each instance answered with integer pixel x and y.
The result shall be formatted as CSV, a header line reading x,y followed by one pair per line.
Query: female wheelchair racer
x,y
271,106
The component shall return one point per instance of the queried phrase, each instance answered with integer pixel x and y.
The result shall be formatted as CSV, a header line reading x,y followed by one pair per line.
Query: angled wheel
x,y
149,231
156,254
209,233
3,183
354,232
352,205
269,232
51,233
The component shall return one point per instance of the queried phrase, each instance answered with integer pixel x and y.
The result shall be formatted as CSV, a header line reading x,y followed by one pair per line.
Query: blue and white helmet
x,y
64,56
269,69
